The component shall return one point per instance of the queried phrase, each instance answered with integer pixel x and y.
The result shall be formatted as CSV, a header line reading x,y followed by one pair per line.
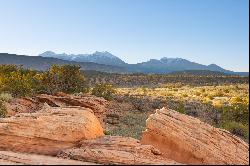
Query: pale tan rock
x,y
12,158
49,130
116,150
188,140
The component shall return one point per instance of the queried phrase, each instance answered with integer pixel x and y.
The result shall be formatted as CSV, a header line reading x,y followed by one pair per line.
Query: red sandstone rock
x,y
49,130
12,158
97,104
188,140
22,105
116,150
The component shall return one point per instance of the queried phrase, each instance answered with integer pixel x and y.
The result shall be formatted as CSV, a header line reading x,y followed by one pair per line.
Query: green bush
x,y
238,129
103,90
62,78
18,82
24,82
180,108
235,118
237,112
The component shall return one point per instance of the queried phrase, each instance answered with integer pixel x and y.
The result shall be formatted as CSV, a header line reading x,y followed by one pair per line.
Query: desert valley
x,y
124,82
67,116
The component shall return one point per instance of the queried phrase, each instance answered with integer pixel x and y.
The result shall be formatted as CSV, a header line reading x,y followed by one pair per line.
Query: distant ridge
x,y
43,63
106,62
164,65
97,57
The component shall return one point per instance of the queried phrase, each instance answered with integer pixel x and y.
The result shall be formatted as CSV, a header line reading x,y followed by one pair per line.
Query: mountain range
x,y
106,62
164,65
97,57
43,63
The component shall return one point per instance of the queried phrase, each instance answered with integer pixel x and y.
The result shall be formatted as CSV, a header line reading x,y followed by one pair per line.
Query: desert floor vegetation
x,y
220,101
223,106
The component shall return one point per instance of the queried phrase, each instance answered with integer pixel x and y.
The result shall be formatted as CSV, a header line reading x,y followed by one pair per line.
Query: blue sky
x,y
204,31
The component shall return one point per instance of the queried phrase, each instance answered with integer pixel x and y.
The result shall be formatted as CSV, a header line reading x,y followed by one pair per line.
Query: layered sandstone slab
x,y
94,103
97,104
188,140
22,105
12,158
116,150
48,130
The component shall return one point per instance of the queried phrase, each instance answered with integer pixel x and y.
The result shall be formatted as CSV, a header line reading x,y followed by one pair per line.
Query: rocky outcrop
x,y
116,150
48,130
29,105
190,141
22,105
101,107
11,158
94,103
97,104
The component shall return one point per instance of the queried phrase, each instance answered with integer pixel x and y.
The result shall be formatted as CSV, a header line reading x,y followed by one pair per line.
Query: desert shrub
x,y
235,100
219,93
175,89
180,108
235,118
104,90
62,78
206,100
155,104
237,112
217,103
138,103
131,125
5,97
204,95
210,97
197,93
3,111
106,132
7,69
245,100
144,90
238,129
184,95
203,90
18,82
24,82
226,90
191,112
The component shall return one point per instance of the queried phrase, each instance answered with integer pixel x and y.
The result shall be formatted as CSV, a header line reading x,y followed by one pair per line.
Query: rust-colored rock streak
x,y
188,140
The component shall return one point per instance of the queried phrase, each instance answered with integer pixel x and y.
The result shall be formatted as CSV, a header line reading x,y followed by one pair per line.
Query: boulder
x,y
12,158
188,140
116,150
49,130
